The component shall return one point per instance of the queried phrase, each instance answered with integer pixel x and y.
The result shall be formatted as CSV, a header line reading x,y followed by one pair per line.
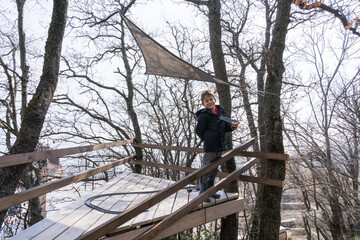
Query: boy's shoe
x,y
209,184
216,196
203,189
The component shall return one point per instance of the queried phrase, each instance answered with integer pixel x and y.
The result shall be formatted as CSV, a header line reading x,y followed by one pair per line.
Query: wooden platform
x,y
76,218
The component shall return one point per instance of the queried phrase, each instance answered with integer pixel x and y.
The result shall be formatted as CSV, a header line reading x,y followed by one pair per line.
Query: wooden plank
x,y
21,158
223,197
117,181
164,208
264,155
275,156
66,211
193,195
147,216
266,181
142,198
189,221
74,217
182,197
60,226
133,199
226,209
71,207
93,216
192,220
168,221
245,178
161,165
23,196
134,211
163,147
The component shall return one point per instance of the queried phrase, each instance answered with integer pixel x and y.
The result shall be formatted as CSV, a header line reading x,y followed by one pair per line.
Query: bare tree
x,y
143,110
35,112
273,141
250,53
337,9
327,143
229,225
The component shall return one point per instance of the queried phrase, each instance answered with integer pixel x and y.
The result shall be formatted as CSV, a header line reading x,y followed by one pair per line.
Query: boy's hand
x,y
234,125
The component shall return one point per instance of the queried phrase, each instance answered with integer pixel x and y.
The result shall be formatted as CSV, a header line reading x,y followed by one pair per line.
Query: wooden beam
x,y
276,156
190,220
163,147
264,155
266,181
16,159
118,220
244,178
23,196
166,166
171,219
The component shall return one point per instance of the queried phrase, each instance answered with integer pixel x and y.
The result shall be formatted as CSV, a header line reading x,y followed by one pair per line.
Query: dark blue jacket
x,y
212,130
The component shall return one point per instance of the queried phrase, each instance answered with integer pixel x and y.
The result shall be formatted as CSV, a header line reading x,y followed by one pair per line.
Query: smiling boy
x,y
212,131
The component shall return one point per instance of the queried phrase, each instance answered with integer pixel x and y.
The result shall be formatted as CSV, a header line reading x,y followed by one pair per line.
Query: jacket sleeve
x,y
201,126
227,125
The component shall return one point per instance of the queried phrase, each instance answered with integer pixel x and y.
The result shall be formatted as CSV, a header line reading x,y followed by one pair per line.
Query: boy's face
x,y
209,102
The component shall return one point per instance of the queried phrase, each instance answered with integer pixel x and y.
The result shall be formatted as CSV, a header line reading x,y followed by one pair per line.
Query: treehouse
x,y
135,206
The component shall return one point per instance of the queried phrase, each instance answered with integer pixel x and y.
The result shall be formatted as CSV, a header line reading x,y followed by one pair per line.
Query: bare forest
x,y
72,74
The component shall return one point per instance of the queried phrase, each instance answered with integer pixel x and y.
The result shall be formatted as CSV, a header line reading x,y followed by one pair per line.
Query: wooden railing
x,y
245,178
171,219
122,218
275,156
37,191
17,159
112,224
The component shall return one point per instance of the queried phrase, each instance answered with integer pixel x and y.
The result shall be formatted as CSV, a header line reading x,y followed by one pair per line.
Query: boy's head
x,y
206,95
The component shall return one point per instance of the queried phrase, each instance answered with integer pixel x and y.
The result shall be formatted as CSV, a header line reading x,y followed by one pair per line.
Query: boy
x,y
212,131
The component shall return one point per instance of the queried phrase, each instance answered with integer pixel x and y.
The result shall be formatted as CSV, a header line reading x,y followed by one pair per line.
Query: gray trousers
x,y
209,157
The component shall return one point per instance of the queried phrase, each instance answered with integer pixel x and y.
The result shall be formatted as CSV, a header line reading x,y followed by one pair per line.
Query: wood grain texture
x,y
168,221
190,220
245,178
23,196
136,210
275,156
16,159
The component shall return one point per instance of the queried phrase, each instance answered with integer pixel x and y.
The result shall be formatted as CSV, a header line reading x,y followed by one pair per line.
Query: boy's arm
x,y
230,124
228,127
201,126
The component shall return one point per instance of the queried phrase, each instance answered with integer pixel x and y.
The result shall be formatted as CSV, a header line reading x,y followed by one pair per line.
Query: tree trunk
x,y
129,103
337,226
255,220
22,47
270,217
229,224
35,112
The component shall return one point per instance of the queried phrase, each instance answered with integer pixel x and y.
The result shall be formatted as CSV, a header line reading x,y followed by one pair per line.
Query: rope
x,y
100,209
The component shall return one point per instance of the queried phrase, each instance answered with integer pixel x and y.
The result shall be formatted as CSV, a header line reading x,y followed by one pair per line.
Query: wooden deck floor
x,y
77,218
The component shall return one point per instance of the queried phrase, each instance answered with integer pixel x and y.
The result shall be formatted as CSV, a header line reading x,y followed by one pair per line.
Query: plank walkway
x,y
76,218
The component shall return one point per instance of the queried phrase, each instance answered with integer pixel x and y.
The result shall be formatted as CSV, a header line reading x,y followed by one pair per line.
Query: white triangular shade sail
x,y
159,61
